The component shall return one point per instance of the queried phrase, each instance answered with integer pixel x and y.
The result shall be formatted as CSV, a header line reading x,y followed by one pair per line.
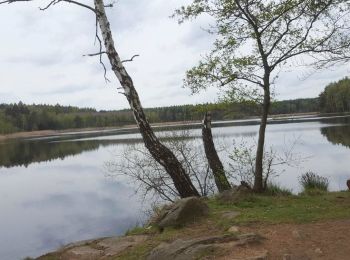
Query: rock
x,y
234,195
102,248
287,257
230,214
261,256
182,212
233,229
296,234
348,184
114,245
295,257
83,252
318,251
249,238
193,248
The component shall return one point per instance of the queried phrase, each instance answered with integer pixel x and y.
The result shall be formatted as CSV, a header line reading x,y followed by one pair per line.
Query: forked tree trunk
x,y
159,152
215,163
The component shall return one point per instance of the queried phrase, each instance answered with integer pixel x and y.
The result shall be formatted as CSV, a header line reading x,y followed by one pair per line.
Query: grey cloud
x,y
63,90
48,46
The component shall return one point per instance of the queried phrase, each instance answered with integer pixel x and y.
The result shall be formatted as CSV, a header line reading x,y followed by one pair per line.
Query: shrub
x,y
312,181
276,190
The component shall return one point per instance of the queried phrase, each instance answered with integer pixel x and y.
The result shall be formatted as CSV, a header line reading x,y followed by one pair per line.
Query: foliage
x,y
312,181
336,97
255,38
21,117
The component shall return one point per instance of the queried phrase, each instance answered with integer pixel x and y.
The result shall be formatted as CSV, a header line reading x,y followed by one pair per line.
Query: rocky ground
x,y
288,228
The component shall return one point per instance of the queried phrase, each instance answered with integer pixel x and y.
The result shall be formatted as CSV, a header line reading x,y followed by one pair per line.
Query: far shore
x,y
48,133
91,130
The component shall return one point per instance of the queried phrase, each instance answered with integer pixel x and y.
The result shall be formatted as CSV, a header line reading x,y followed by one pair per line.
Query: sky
x,y
41,56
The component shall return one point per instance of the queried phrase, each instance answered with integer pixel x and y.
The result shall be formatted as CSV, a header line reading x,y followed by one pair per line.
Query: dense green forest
x,y
21,117
336,97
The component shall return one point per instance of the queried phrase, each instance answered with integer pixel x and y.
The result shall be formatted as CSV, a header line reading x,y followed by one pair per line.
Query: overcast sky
x,y
41,56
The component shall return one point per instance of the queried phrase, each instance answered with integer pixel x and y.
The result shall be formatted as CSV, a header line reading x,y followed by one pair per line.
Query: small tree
x,y
256,38
159,152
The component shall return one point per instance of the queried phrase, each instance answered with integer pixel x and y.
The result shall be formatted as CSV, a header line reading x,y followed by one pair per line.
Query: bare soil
x,y
329,240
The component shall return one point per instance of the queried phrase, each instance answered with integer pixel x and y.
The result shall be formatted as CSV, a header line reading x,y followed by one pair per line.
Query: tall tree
x,y
255,39
160,152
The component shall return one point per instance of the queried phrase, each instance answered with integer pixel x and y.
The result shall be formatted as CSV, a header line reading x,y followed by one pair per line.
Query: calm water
x,y
55,190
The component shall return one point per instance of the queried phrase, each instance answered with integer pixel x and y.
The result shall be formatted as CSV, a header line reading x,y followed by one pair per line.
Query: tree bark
x,y
258,180
215,163
160,153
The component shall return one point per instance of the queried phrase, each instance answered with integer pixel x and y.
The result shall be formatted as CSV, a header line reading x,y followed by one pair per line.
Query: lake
x,y
56,190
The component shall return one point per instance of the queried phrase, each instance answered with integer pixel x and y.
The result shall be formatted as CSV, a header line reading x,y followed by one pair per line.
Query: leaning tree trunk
x,y
258,180
214,161
159,152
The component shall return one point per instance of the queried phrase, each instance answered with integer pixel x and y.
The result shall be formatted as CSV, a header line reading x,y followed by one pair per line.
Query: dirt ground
x,y
322,240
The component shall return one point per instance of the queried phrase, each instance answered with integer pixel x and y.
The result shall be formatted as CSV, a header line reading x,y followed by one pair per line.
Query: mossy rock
x,y
181,213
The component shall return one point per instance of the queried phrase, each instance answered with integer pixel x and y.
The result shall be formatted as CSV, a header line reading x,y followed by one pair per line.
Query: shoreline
x,y
281,118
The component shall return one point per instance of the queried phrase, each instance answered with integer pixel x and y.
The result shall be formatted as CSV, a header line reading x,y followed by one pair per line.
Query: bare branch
x,y
132,58
94,54
51,3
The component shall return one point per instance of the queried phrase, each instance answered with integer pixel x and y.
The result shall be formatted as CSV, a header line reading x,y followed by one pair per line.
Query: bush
x,y
312,181
276,190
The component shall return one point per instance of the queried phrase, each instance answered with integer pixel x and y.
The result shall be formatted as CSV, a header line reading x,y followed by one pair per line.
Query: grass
x,y
261,209
313,182
284,209
273,189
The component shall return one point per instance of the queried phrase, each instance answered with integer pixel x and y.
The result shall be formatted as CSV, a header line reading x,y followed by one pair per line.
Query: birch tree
x,y
256,39
160,152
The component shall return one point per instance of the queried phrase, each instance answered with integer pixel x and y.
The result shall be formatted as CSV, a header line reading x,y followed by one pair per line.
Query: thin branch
x,y
94,54
132,58
80,4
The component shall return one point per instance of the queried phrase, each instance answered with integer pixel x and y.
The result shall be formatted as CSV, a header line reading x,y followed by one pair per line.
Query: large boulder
x,y
182,212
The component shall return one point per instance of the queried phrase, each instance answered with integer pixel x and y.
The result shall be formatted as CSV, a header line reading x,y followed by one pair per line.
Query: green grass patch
x,y
141,231
279,209
273,189
312,181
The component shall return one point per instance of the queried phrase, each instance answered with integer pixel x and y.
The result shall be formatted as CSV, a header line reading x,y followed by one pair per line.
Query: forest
x,y
336,97
21,117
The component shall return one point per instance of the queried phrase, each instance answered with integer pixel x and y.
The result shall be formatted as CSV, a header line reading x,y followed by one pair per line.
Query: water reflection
x,y
25,152
337,134
50,204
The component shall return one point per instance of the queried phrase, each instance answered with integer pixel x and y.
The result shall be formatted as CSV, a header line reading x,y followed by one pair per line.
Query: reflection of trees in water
x,y
336,120
337,134
23,153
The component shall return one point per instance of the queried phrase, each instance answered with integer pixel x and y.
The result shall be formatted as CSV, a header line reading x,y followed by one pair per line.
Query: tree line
x,y
21,117
336,97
